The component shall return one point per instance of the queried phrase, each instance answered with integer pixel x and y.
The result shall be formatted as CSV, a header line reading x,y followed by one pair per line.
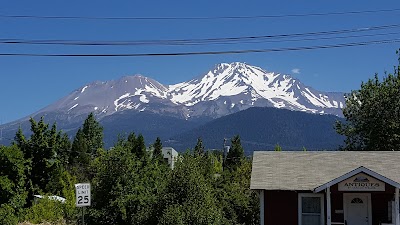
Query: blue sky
x,y
30,83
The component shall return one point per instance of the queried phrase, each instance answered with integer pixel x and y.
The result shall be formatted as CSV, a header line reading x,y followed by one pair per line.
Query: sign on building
x,y
82,191
361,182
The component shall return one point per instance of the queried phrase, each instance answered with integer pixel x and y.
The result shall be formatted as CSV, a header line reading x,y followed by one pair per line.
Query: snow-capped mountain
x,y
225,89
236,86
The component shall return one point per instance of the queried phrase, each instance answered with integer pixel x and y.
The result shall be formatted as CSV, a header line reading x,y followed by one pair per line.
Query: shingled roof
x,y
293,170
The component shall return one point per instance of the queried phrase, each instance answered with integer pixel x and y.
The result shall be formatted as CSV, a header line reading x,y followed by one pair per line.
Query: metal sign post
x,y
82,191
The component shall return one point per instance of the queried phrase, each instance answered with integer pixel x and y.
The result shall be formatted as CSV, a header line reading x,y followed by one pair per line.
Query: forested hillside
x,y
264,128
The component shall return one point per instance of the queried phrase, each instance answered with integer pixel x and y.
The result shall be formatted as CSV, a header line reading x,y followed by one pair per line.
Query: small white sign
x,y
361,182
82,194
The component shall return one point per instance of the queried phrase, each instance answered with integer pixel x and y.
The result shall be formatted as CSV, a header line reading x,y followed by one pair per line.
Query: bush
x,y
7,215
45,210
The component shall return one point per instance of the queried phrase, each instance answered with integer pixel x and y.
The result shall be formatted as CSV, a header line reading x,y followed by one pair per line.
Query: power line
x,y
218,40
198,18
302,48
136,43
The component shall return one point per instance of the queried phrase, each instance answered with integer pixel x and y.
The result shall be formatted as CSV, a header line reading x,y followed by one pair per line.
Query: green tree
x,y
278,148
235,154
13,194
140,147
189,197
93,133
88,139
157,150
42,147
80,150
127,188
85,147
240,205
199,148
44,152
373,115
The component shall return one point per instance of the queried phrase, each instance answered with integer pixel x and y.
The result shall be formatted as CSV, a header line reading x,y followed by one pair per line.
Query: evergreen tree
x,y
43,153
87,141
93,133
131,142
235,154
79,150
373,115
199,148
157,150
140,147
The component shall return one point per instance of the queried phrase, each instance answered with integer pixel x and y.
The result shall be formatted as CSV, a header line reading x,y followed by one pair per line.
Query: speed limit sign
x,y
82,191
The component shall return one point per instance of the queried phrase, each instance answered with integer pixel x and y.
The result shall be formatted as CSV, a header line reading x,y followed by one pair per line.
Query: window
x,y
357,201
311,209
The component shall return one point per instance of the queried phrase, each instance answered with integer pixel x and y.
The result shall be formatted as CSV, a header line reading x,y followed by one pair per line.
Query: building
x,y
170,156
333,188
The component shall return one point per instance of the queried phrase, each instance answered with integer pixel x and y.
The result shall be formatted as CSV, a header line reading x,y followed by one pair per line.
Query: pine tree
x,y
157,150
140,147
87,141
80,150
199,148
93,133
235,154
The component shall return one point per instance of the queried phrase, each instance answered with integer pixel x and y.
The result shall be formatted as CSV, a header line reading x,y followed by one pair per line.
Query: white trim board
x,y
360,169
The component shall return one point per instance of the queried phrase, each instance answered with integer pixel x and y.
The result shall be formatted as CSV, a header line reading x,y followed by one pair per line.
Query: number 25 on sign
x,y
82,191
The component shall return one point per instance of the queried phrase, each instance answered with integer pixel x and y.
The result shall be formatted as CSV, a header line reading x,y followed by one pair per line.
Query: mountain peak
x,y
225,89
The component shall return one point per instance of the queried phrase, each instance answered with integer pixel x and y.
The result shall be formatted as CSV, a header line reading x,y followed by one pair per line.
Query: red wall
x,y
280,207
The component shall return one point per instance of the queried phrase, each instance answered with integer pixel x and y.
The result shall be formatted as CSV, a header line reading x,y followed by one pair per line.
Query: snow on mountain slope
x,y
106,98
248,86
225,89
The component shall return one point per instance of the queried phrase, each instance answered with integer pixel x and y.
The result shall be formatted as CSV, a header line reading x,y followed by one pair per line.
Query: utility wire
x,y
302,48
138,43
198,18
204,40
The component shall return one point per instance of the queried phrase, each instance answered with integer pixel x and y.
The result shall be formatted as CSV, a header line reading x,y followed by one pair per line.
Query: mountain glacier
x,y
225,89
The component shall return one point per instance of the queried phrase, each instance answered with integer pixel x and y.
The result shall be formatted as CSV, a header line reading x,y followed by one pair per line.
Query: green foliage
x,y
8,215
45,210
373,115
88,139
235,154
87,142
93,134
241,205
278,148
63,184
199,148
127,188
157,151
190,194
140,147
12,177
12,184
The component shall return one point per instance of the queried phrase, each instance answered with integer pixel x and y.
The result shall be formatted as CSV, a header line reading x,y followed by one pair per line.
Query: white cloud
x,y
296,71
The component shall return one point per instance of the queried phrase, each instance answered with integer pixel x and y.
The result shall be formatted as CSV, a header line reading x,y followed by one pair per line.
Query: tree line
x,y
130,183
